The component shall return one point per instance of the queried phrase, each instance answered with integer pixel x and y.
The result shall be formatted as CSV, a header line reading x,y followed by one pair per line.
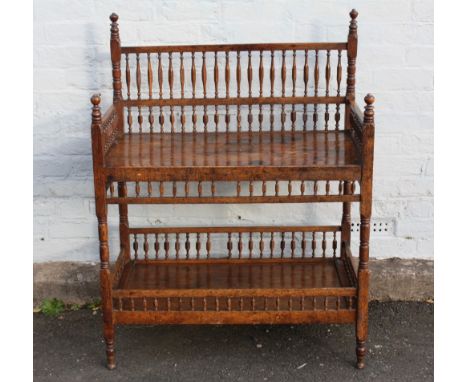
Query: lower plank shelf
x,y
236,291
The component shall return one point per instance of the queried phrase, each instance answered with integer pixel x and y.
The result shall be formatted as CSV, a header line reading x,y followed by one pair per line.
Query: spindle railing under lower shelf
x,y
235,275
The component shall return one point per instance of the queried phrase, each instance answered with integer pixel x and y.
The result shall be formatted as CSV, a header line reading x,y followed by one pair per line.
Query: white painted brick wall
x,y
71,61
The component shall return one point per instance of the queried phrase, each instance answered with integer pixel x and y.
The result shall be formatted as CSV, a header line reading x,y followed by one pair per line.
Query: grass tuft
x,y
52,307
94,305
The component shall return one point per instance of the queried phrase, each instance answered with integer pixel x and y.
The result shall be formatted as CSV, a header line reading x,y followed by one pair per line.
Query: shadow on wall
x,y
62,146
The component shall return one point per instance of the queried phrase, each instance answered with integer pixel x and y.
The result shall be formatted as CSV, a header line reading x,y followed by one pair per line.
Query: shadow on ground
x,y
400,349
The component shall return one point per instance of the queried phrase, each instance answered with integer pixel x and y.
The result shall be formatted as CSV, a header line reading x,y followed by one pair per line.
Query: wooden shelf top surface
x,y
309,149
220,274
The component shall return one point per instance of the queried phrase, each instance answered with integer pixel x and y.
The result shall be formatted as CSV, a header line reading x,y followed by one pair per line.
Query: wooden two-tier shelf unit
x,y
243,123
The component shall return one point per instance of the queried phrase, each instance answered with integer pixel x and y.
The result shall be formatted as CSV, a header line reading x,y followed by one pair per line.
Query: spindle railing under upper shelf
x,y
243,123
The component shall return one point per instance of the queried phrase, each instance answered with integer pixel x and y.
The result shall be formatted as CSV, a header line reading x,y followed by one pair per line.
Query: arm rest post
x,y
104,130
96,134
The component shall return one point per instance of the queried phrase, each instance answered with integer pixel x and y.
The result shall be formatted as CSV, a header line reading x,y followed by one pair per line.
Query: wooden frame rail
x,y
237,101
237,229
236,47
235,199
239,192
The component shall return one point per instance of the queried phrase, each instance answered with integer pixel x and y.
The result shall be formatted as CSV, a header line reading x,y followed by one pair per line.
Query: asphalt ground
x,y
400,348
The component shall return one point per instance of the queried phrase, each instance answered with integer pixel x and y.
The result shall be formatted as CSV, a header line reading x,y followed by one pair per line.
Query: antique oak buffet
x,y
243,123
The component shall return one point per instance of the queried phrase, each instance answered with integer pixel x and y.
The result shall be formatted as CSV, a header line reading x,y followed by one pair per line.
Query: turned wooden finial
x,y
352,53
96,99
353,23
114,27
369,109
96,113
114,17
115,57
369,99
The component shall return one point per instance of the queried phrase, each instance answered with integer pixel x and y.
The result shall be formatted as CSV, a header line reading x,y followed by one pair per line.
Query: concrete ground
x,y
400,349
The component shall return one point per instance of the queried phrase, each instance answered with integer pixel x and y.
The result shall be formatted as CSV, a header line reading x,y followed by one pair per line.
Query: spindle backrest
x,y
279,86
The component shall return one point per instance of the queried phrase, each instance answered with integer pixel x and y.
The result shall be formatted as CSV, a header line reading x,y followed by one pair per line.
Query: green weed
x,y
52,307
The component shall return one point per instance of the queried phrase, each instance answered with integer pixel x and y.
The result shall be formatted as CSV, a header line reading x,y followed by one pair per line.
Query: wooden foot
x,y
110,353
109,339
360,354
111,366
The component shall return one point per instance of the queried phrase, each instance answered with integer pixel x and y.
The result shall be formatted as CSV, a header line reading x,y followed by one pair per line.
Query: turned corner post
x,y
101,213
115,57
366,211
350,98
117,86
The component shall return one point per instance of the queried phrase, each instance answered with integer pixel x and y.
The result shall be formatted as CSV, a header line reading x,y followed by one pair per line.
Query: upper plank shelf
x,y
274,155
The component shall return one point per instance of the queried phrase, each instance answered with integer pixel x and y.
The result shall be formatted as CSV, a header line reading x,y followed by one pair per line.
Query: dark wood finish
x,y
365,211
230,277
268,120
234,199
243,317
268,149
234,101
316,228
101,213
234,47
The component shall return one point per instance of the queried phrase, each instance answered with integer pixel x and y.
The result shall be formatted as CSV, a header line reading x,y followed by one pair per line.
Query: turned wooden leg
x,y
365,211
109,334
360,353
106,287
363,292
123,217
346,219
